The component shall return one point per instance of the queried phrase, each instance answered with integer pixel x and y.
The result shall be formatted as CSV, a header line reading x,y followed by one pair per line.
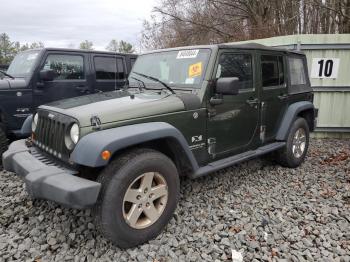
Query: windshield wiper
x,y
156,80
140,81
5,74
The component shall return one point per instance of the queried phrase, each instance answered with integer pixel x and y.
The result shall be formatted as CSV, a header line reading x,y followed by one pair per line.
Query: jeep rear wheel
x,y
140,191
297,144
3,144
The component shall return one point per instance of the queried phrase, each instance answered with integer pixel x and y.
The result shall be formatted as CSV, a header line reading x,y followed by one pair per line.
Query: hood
x,y
7,83
116,106
4,84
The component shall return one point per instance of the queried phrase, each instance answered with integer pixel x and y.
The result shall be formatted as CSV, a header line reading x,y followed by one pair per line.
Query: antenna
x,y
116,72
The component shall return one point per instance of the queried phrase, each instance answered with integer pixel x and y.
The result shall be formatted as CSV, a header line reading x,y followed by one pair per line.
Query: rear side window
x,y
109,68
296,71
67,67
236,65
121,71
272,71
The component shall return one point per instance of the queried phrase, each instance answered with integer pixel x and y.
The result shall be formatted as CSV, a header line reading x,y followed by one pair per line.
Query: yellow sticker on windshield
x,y
195,70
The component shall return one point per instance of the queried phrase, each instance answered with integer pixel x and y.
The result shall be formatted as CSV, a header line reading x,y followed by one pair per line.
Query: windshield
x,y
22,64
181,68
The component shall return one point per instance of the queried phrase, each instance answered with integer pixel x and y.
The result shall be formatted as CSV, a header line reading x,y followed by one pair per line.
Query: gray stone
x,y
225,211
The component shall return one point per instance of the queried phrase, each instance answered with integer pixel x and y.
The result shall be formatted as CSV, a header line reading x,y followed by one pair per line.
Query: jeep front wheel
x,y
139,194
293,154
3,144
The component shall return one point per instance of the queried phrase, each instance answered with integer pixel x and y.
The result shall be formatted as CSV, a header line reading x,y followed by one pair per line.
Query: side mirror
x,y
227,86
47,75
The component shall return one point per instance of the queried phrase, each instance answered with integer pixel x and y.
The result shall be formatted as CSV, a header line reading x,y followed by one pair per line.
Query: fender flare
x,y
26,128
3,120
88,150
290,116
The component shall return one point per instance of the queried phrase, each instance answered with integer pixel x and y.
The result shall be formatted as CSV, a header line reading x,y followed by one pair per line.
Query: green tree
x,y
125,47
113,46
36,45
7,49
86,45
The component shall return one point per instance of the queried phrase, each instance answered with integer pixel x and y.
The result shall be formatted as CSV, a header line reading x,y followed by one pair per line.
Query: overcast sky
x,y
66,23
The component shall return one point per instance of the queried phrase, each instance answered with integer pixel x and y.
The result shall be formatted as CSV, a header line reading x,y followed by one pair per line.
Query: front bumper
x,y
46,180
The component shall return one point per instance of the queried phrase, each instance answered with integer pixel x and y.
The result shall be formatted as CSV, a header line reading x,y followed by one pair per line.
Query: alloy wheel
x,y
299,143
145,200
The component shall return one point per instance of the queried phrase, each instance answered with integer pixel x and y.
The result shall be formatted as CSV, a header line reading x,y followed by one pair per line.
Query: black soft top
x,y
250,46
256,46
79,51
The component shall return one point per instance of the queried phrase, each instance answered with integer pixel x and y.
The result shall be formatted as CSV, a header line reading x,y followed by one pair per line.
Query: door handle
x,y
252,102
82,89
282,97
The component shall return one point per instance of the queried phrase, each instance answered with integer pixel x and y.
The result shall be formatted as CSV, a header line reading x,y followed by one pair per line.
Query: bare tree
x,y
185,22
113,46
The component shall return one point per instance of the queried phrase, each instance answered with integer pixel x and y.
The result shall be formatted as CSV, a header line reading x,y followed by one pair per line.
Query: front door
x,y
70,80
233,125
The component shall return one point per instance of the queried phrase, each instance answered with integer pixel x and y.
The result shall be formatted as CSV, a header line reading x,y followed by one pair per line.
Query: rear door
x,y
70,81
109,71
274,93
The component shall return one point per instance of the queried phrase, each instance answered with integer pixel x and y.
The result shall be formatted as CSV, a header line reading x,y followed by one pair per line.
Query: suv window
x,y
132,61
296,71
109,68
106,68
272,72
67,67
236,65
121,71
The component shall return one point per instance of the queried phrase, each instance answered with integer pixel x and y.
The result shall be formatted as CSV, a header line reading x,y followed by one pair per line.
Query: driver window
x,y
67,67
236,65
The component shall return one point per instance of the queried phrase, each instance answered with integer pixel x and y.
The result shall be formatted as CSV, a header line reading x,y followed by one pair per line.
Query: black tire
x,y
3,144
285,156
116,179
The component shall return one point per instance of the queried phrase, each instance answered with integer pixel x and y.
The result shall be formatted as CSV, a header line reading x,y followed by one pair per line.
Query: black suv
x,y
39,76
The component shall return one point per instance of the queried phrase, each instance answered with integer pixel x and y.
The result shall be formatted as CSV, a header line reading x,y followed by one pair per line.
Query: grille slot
x,y
47,160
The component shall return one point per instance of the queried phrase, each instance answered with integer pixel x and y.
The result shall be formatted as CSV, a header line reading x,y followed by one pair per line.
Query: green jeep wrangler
x,y
185,111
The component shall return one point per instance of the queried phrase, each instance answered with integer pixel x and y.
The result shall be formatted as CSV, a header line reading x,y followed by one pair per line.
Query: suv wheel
x,y
293,154
3,144
139,194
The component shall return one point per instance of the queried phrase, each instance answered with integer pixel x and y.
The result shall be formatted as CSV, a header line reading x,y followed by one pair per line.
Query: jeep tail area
x,y
40,76
186,111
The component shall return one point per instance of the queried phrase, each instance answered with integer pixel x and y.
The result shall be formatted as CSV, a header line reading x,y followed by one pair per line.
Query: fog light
x,y
106,155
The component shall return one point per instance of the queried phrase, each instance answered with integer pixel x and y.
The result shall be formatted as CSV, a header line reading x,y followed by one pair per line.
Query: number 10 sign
x,y
325,67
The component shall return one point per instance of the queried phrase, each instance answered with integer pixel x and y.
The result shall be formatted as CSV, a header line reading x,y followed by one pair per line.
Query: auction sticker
x,y
195,70
187,54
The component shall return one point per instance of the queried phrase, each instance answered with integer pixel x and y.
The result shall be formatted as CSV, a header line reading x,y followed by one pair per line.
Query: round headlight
x,y
35,122
74,133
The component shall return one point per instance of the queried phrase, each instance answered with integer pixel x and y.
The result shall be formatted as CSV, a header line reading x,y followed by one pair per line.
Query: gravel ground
x,y
264,211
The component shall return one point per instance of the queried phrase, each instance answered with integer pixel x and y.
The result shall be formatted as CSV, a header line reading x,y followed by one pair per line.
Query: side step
x,y
232,160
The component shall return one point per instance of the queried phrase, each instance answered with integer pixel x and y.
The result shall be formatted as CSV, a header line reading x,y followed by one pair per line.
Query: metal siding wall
x,y
343,78
334,106
334,109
